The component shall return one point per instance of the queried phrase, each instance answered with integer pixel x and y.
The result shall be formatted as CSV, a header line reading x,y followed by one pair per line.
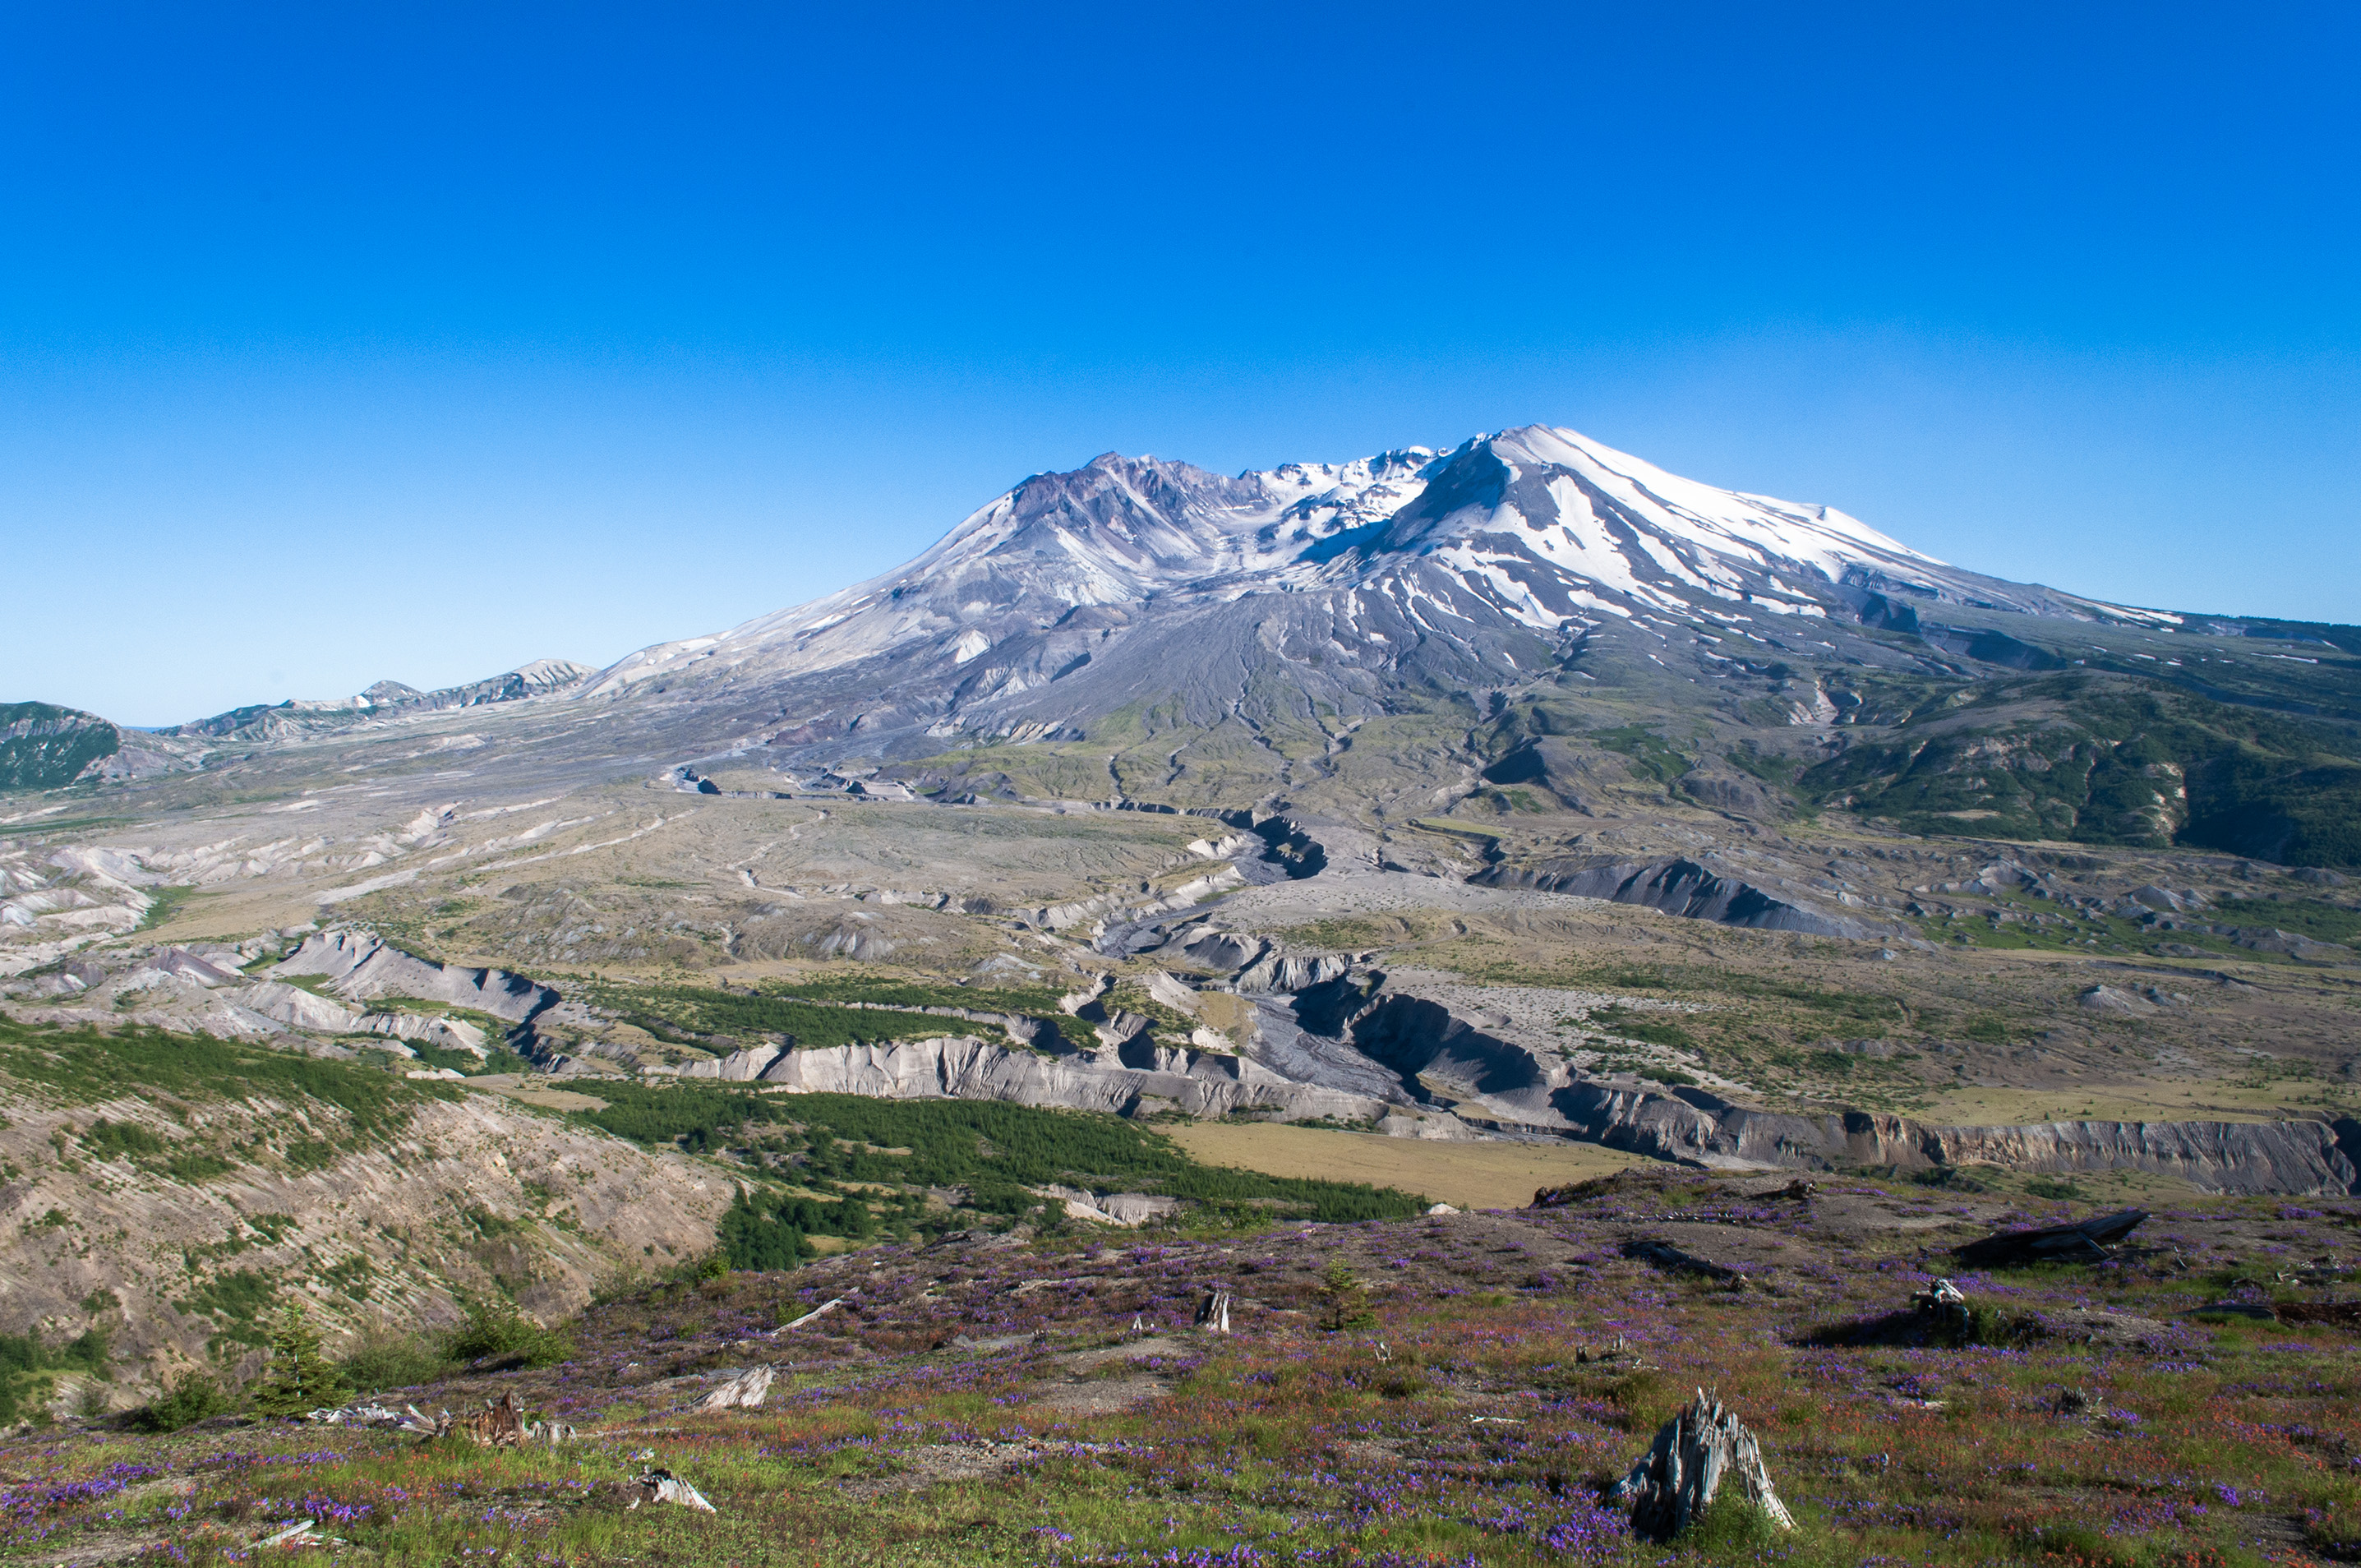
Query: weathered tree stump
x,y
1697,1453
655,1486
494,1426
1946,1306
745,1391
1214,1312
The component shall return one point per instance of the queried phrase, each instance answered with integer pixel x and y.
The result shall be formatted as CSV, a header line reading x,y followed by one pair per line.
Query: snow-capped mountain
x,y
1132,579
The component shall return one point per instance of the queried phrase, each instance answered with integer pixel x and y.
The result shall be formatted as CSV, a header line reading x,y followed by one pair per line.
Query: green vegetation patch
x,y
43,746
698,1016
858,1166
1650,754
2095,759
25,1359
886,991
88,1065
235,1303
1654,1028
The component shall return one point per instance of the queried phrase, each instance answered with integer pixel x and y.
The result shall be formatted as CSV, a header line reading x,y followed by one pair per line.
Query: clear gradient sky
x,y
348,341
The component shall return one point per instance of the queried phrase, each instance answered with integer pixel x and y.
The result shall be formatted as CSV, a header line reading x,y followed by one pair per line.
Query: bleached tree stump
x,y
1944,1305
745,1391
1695,1455
1214,1312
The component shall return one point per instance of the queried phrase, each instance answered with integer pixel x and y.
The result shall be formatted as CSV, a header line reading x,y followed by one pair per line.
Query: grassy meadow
x,y
1435,1390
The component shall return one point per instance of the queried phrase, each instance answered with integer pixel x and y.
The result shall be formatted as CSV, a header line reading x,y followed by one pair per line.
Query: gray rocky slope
x,y
1140,581
386,699
1532,591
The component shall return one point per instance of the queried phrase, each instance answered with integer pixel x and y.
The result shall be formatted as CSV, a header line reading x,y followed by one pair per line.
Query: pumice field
x,y
1480,1005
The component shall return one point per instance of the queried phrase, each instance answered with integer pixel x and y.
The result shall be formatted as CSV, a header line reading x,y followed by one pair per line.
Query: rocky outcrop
x,y
1450,1062
299,1009
357,965
1278,971
1137,1078
1125,1209
1680,887
1701,1128
1459,1065
203,990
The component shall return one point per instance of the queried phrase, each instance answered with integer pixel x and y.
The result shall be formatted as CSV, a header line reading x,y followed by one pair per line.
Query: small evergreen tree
x,y
299,1377
1345,1299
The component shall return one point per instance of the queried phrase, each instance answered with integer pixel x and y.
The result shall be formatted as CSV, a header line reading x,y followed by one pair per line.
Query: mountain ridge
x,y
1139,598
1149,631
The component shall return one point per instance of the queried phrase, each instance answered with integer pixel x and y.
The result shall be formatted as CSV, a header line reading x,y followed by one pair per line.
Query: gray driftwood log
x,y
1697,1453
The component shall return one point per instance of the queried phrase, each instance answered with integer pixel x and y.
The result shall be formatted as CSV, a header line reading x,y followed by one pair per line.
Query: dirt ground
x,y
1463,1174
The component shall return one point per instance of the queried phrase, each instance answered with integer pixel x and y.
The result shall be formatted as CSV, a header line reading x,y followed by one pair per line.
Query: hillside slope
x,y
170,1191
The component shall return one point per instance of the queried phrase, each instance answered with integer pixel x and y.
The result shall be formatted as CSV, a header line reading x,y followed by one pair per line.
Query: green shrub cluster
x,y
383,1361
192,1398
25,1359
498,1332
693,1014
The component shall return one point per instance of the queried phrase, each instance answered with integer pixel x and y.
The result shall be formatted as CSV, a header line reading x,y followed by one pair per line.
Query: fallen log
x,y
2342,1314
360,1413
1665,1256
821,1310
2083,1241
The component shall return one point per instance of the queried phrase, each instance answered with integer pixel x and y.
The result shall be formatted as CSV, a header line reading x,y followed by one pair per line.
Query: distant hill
x,y
272,720
43,746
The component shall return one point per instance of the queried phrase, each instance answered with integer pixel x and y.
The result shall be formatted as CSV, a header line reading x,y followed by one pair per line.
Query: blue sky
x,y
340,343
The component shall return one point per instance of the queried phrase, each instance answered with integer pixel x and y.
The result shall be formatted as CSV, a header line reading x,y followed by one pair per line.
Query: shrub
x,y
383,1361
87,1353
496,1330
192,1398
1731,1527
113,1140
